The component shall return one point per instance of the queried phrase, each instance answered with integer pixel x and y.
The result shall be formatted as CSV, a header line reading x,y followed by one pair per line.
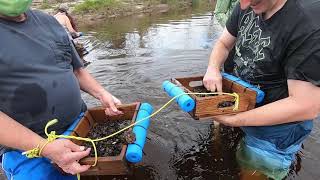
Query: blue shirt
x,y
36,73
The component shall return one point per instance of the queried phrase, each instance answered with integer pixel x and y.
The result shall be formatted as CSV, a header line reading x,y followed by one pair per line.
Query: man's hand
x,y
109,102
66,155
228,120
91,86
213,79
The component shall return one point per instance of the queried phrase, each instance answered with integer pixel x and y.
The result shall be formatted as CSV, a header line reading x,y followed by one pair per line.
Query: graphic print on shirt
x,y
249,47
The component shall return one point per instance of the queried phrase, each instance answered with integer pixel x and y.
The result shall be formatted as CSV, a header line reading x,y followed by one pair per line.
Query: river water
x,y
132,56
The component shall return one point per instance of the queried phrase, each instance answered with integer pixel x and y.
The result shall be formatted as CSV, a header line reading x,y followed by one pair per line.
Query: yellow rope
x,y
36,152
236,107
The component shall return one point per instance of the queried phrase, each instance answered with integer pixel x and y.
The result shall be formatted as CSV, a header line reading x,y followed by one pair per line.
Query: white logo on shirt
x,y
250,40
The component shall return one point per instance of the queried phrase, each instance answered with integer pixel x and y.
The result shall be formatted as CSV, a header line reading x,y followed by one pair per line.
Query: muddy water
x,y
131,57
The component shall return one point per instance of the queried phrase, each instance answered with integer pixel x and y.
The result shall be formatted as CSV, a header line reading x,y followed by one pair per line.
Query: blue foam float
x,y
141,135
260,93
185,102
230,77
145,110
134,151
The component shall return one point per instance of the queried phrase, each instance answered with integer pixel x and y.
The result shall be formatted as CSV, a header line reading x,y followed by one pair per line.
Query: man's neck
x,y
275,8
20,18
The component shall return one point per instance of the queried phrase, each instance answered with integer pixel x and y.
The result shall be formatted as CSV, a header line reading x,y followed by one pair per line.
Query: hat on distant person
x,y
63,7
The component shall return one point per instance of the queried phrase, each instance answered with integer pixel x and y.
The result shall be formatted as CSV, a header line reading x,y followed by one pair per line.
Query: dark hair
x,y
73,24
61,11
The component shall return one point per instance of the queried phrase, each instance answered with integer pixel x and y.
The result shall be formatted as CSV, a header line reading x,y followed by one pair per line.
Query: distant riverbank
x,y
87,13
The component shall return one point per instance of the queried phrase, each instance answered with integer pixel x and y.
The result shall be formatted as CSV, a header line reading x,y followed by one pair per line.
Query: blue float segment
x,y
134,153
146,122
134,150
145,110
147,107
185,102
230,77
260,93
167,86
141,135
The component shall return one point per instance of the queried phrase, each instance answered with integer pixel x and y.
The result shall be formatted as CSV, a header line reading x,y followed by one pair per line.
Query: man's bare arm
x,y
17,136
62,152
302,104
212,79
221,50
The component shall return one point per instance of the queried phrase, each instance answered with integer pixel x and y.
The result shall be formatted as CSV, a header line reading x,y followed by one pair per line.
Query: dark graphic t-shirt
x,y
37,83
269,52
286,46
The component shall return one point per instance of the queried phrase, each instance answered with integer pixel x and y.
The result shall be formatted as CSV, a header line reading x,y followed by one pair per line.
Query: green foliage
x,y
45,5
94,5
169,2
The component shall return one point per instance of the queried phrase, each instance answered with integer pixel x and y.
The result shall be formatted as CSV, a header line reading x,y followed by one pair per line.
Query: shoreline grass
x,y
95,5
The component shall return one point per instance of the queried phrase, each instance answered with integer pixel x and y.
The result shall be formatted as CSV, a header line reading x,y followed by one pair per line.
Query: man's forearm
x,y
89,84
218,56
15,135
221,50
279,112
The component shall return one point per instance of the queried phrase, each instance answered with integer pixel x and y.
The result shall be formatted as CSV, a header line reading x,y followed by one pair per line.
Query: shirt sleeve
x,y
303,63
232,22
76,60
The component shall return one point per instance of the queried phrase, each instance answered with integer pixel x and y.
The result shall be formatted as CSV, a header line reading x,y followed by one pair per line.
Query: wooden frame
x,y
110,165
207,107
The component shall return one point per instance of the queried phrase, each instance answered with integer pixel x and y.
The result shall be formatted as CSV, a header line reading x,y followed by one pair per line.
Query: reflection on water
x,y
131,57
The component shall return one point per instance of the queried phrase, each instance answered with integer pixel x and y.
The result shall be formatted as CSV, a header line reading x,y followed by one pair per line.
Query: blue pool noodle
x,y
230,77
185,102
134,150
167,86
145,110
141,135
134,153
260,93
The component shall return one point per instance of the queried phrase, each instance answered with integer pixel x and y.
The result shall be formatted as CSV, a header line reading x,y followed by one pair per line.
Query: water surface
x,y
132,56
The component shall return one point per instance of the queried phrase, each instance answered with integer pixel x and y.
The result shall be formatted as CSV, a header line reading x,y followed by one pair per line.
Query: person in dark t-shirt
x,y
277,48
40,79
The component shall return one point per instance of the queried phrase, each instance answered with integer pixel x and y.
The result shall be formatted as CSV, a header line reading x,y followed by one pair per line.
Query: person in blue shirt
x,y
276,48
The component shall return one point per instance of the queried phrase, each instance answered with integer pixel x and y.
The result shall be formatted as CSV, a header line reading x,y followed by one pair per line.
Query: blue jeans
x,y
18,167
262,156
271,150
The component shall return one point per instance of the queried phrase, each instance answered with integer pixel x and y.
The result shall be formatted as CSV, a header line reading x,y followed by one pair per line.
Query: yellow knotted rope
x,y
36,152
236,107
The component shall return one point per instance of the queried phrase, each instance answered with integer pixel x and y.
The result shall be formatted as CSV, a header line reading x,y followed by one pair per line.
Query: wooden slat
x,y
227,85
208,106
185,82
111,165
252,95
